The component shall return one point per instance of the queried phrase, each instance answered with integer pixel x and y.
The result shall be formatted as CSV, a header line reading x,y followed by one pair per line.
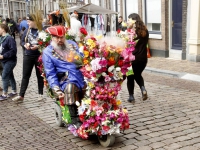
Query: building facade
x,y
173,26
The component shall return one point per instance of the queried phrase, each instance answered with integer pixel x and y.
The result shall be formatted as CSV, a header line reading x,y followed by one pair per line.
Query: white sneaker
x,y
18,99
40,97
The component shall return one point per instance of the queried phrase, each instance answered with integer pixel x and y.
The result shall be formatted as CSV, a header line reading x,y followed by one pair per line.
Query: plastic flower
x,y
119,102
42,35
95,64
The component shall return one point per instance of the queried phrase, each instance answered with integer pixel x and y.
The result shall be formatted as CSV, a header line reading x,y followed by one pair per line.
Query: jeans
x,y
28,63
8,76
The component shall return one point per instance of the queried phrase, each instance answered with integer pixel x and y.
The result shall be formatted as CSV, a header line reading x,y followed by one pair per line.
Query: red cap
x,y
57,30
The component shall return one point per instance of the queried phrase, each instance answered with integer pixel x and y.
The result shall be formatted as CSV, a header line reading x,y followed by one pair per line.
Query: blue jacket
x,y
53,66
9,49
23,23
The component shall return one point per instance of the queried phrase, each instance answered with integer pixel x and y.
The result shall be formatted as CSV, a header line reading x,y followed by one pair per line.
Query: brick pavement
x,y
168,120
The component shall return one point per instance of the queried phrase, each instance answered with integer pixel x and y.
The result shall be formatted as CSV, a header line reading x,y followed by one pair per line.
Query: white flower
x,y
81,49
103,74
118,69
129,68
88,112
93,79
71,33
43,36
114,129
77,103
105,123
95,64
111,68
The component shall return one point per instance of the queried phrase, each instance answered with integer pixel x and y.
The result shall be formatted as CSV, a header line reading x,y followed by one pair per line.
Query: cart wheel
x,y
106,140
58,114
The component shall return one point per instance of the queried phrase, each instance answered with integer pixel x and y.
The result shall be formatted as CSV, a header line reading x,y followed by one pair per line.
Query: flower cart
x,y
104,65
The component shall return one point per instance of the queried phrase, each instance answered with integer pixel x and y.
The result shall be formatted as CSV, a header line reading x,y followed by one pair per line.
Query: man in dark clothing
x,y
120,24
12,27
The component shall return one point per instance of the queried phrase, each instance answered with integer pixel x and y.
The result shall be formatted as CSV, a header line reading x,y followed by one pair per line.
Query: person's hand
x,y
1,56
61,95
27,45
58,93
34,47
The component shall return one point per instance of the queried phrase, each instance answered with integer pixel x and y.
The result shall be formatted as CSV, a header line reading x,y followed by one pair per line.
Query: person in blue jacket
x,y
30,59
23,23
63,77
8,59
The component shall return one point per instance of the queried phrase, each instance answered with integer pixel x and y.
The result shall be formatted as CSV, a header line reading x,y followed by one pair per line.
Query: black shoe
x,y
131,99
144,93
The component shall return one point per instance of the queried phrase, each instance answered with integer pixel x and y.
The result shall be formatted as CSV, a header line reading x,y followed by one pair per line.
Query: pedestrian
x,y
30,59
8,58
75,25
63,76
23,23
20,37
140,53
18,25
121,25
4,21
12,26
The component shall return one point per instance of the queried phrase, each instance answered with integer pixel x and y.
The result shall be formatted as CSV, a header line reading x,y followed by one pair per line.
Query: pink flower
x,y
103,62
107,78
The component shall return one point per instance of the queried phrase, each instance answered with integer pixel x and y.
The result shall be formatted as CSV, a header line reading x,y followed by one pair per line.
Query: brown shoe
x,y
144,93
1,89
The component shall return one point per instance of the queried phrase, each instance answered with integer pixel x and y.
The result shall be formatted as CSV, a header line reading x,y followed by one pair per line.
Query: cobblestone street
x,y
168,120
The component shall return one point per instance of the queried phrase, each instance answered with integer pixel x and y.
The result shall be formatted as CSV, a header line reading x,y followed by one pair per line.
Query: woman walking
x,y
140,53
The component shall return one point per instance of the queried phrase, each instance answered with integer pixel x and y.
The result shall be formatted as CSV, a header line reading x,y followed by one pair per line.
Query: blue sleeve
x,y
23,37
12,48
49,69
76,46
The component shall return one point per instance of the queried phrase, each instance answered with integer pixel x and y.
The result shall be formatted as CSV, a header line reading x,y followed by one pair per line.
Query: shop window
x,y
153,16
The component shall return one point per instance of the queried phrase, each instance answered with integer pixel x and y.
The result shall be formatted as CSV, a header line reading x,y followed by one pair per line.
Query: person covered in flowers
x,y
63,76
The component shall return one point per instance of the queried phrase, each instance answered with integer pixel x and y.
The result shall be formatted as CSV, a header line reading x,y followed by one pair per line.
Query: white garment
x,y
75,27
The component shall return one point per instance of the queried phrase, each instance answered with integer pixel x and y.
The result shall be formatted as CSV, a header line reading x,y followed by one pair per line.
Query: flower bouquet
x,y
43,40
105,64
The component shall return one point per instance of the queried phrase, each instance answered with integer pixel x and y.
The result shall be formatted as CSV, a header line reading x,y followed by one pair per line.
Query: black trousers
x,y
138,67
28,63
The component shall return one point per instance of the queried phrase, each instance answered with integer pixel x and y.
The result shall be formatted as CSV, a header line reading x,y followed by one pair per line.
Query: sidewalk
x,y
177,68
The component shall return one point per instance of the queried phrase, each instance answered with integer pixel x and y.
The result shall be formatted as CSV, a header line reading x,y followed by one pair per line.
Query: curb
x,y
181,75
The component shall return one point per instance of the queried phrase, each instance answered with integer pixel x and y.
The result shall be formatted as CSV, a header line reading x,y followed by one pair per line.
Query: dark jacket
x,y
31,37
12,26
120,27
140,51
9,50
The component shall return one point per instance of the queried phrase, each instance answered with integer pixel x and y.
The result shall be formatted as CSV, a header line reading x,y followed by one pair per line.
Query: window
x,y
131,7
153,16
